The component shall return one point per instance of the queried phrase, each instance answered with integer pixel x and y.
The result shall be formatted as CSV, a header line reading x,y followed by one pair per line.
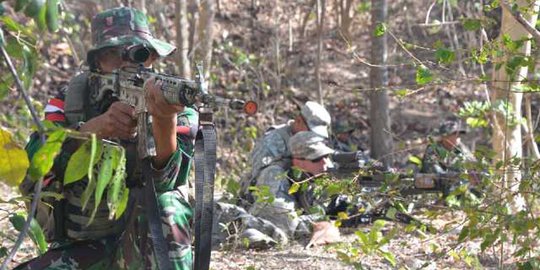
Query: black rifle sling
x,y
153,214
205,168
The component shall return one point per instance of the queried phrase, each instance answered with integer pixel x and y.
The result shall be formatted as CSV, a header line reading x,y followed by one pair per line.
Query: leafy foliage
x,y
423,75
36,233
43,159
380,30
13,160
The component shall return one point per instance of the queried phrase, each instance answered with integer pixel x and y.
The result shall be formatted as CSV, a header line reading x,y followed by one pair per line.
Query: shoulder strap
x,y
76,97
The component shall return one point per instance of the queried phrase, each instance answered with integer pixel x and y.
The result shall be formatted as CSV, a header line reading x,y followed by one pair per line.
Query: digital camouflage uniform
x,y
282,211
124,243
273,148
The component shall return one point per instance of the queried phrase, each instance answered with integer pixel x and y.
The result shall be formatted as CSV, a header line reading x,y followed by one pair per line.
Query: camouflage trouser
x,y
282,210
132,250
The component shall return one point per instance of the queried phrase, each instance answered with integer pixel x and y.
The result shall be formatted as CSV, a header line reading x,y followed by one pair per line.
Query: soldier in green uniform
x,y
124,243
342,137
448,154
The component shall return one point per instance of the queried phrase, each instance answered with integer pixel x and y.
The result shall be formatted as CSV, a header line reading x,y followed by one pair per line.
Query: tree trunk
x,y
346,19
182,39
306,18
506,139
321,6
206,34
381,134
193,15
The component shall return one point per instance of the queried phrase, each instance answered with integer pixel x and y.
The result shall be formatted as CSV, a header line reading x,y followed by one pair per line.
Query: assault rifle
x,y
127,85
371,175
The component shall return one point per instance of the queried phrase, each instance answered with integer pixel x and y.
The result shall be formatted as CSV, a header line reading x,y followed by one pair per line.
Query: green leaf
x,y
445,56
104,177
79,163
401,92
122,205
471,24
34,7
423,75
41,18
342,215
362,237
333,189
389,257
43,159
463,234
87,194
20,4
14,48
93,150
35,232
294,188
415,160
380,29
52,15
489,239
12,25
13,160
117,185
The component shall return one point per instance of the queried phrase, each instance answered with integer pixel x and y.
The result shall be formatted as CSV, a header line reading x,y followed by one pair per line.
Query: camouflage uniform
x,y
124,243
339,145
273,148
438,159
282,211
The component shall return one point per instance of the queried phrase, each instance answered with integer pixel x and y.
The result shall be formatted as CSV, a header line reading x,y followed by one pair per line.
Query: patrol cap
x,y
342,127
308,145
317,118
124,26
451,126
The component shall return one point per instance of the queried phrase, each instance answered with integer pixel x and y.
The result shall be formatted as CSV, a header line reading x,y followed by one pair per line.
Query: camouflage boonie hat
x,y
308,145
124,26
317,118
451,126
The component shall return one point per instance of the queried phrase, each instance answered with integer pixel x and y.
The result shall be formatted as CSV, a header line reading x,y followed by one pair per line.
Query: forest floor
x,y
412,250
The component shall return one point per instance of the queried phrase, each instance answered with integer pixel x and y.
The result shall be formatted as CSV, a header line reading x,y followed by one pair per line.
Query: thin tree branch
x,y
39,184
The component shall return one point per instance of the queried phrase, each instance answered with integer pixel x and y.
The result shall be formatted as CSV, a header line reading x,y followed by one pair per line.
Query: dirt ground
x,y
411,250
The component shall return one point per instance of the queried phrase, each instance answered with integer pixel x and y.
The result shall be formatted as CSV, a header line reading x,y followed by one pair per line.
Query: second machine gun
x,y
371,173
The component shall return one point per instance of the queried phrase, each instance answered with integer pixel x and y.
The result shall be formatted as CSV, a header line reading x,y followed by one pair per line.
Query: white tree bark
x,y
206,34
182,39
506,139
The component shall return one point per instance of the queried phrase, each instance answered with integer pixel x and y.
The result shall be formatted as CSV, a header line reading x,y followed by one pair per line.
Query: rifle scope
x,y
136,54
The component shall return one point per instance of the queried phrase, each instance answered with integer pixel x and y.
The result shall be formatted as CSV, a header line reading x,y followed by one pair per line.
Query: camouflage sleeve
x,y
275,177
431,160
176,172
272,148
